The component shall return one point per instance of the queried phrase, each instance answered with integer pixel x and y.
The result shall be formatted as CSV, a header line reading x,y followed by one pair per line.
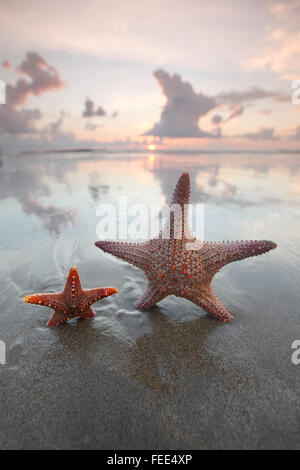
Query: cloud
x,y
296,135
237,101
217,119
279,50
7,65
238,111
13,121
90,110
262,134
91,127
42,78
253,94
53,131
184,107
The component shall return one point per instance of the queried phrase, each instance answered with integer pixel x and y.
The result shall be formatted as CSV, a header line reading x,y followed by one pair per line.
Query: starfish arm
x,y
57,319
136,254
87,314
73,280
151,297
176,225
208,300
181,193
93,295
219,254
54,301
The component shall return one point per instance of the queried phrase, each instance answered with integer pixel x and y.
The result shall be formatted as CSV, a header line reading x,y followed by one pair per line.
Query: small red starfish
x,y
73,301
173,268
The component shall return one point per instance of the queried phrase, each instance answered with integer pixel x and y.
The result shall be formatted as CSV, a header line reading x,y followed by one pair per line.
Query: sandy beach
x,y
171,377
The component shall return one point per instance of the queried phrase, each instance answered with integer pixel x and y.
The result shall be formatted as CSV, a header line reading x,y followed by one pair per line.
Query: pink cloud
x,y
7,65
42,78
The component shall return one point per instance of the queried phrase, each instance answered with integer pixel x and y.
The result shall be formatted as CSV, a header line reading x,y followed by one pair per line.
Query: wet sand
x,y
171,377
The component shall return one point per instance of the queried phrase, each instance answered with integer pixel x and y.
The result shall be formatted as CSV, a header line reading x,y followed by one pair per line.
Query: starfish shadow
x,y
175,348
159,360
85,340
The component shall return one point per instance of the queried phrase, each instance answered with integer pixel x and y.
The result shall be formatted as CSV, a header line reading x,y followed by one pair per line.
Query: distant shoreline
x,y
158,151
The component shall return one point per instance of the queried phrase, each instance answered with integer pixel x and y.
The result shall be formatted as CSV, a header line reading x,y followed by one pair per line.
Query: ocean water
x,y
169,357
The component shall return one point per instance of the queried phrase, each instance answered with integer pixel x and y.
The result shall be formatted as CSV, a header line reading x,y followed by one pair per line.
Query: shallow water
x,y
171,377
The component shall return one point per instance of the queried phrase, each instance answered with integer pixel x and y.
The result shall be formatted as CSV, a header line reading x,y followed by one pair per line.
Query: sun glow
x,y
151,147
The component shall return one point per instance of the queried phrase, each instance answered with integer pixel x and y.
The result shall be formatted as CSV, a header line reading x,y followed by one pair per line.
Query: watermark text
x,y
296,94
296,353
139,222
2,92
2,352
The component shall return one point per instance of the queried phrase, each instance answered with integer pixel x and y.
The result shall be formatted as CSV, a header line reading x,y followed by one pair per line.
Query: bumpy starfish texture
x,y
176,263
73,301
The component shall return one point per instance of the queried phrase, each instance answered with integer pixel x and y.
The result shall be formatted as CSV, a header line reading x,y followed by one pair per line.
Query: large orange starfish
x,y
172,268
73,301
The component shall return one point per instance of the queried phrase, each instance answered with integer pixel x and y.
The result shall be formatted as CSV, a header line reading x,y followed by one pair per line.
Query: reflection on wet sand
x,y
98,191
27,184
54,219
233,180
161,358
219,179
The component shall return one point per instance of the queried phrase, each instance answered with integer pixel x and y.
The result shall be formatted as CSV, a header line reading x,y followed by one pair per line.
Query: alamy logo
x,y
2,92
296,93
2,352
296,354
137,222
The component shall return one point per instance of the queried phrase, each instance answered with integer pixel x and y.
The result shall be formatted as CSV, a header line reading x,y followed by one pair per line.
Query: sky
x,y
153,74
